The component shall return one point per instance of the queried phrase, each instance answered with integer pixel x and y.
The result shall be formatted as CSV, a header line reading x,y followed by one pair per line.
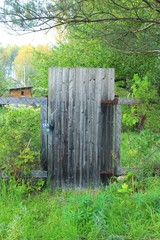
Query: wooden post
x,y
117,136
43,136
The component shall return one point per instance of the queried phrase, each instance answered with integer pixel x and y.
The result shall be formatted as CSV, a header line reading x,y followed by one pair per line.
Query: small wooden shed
x,y
20,92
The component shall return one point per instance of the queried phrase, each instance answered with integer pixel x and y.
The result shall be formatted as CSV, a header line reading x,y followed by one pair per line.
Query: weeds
x,y
20,148
119,211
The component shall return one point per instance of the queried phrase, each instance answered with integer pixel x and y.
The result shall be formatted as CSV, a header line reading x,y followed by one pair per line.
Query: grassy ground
x,y
123,210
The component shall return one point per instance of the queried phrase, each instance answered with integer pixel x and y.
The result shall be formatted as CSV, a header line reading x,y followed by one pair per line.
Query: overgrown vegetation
x,y
126,209
20,147
123,210
140,139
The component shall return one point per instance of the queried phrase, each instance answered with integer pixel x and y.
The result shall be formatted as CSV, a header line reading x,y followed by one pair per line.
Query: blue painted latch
x,y
46,127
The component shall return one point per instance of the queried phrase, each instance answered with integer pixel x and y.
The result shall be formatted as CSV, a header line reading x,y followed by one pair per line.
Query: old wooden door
x,y
81,130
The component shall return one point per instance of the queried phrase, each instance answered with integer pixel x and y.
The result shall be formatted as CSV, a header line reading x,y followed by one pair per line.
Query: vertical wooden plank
x,y
51,137
92,143
107,84
62,161
59,157
99,77
71,129
107,120
110,136
84,127
78,99
103,140
43,137
91,97
64,126
83,78
71,152
117,135
77,145
110,82
55,110
84,157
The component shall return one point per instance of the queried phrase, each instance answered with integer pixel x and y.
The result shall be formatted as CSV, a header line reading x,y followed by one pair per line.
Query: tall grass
x,y
121,210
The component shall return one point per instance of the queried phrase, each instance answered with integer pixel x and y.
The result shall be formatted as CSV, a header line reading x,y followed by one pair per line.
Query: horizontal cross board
x,y
119,101
22,100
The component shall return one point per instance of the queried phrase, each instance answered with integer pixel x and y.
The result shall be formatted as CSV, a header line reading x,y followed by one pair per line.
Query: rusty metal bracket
x,y
120,101
107,173
114,102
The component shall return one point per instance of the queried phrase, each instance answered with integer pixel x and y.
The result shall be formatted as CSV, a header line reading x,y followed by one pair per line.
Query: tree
x,y
41,61
23,67
95,53
125,25
7,56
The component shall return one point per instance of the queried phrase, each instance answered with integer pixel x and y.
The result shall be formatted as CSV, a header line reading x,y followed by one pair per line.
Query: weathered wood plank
x,y
119,101
128,101
34,174
23,100
107,78
117,134
43,137
52,111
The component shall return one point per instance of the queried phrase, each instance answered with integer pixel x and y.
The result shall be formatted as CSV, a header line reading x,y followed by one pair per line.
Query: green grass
x,y
119,211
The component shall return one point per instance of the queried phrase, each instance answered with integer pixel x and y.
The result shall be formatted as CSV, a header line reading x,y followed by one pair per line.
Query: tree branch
x,y
145,28
118,22
140,51
151,5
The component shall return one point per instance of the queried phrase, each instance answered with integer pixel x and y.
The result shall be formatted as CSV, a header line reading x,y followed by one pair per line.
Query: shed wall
x,y
18,93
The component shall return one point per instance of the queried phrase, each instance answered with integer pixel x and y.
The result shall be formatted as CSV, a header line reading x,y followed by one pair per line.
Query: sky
x,y
34,39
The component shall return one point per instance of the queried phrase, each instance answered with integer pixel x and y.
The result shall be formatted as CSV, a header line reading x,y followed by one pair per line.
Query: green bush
x,y
140,139
20,145
144,115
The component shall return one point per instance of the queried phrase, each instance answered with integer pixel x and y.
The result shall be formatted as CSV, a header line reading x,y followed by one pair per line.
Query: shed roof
x,y
17,88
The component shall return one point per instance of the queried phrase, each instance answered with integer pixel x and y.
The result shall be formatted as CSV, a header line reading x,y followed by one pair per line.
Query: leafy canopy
x,y
127,25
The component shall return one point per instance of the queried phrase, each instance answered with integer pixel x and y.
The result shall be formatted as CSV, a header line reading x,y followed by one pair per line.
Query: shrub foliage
x,y
20,144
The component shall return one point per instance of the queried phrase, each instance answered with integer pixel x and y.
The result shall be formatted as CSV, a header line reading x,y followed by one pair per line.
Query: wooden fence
x,y
117,103
80,137
42,102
